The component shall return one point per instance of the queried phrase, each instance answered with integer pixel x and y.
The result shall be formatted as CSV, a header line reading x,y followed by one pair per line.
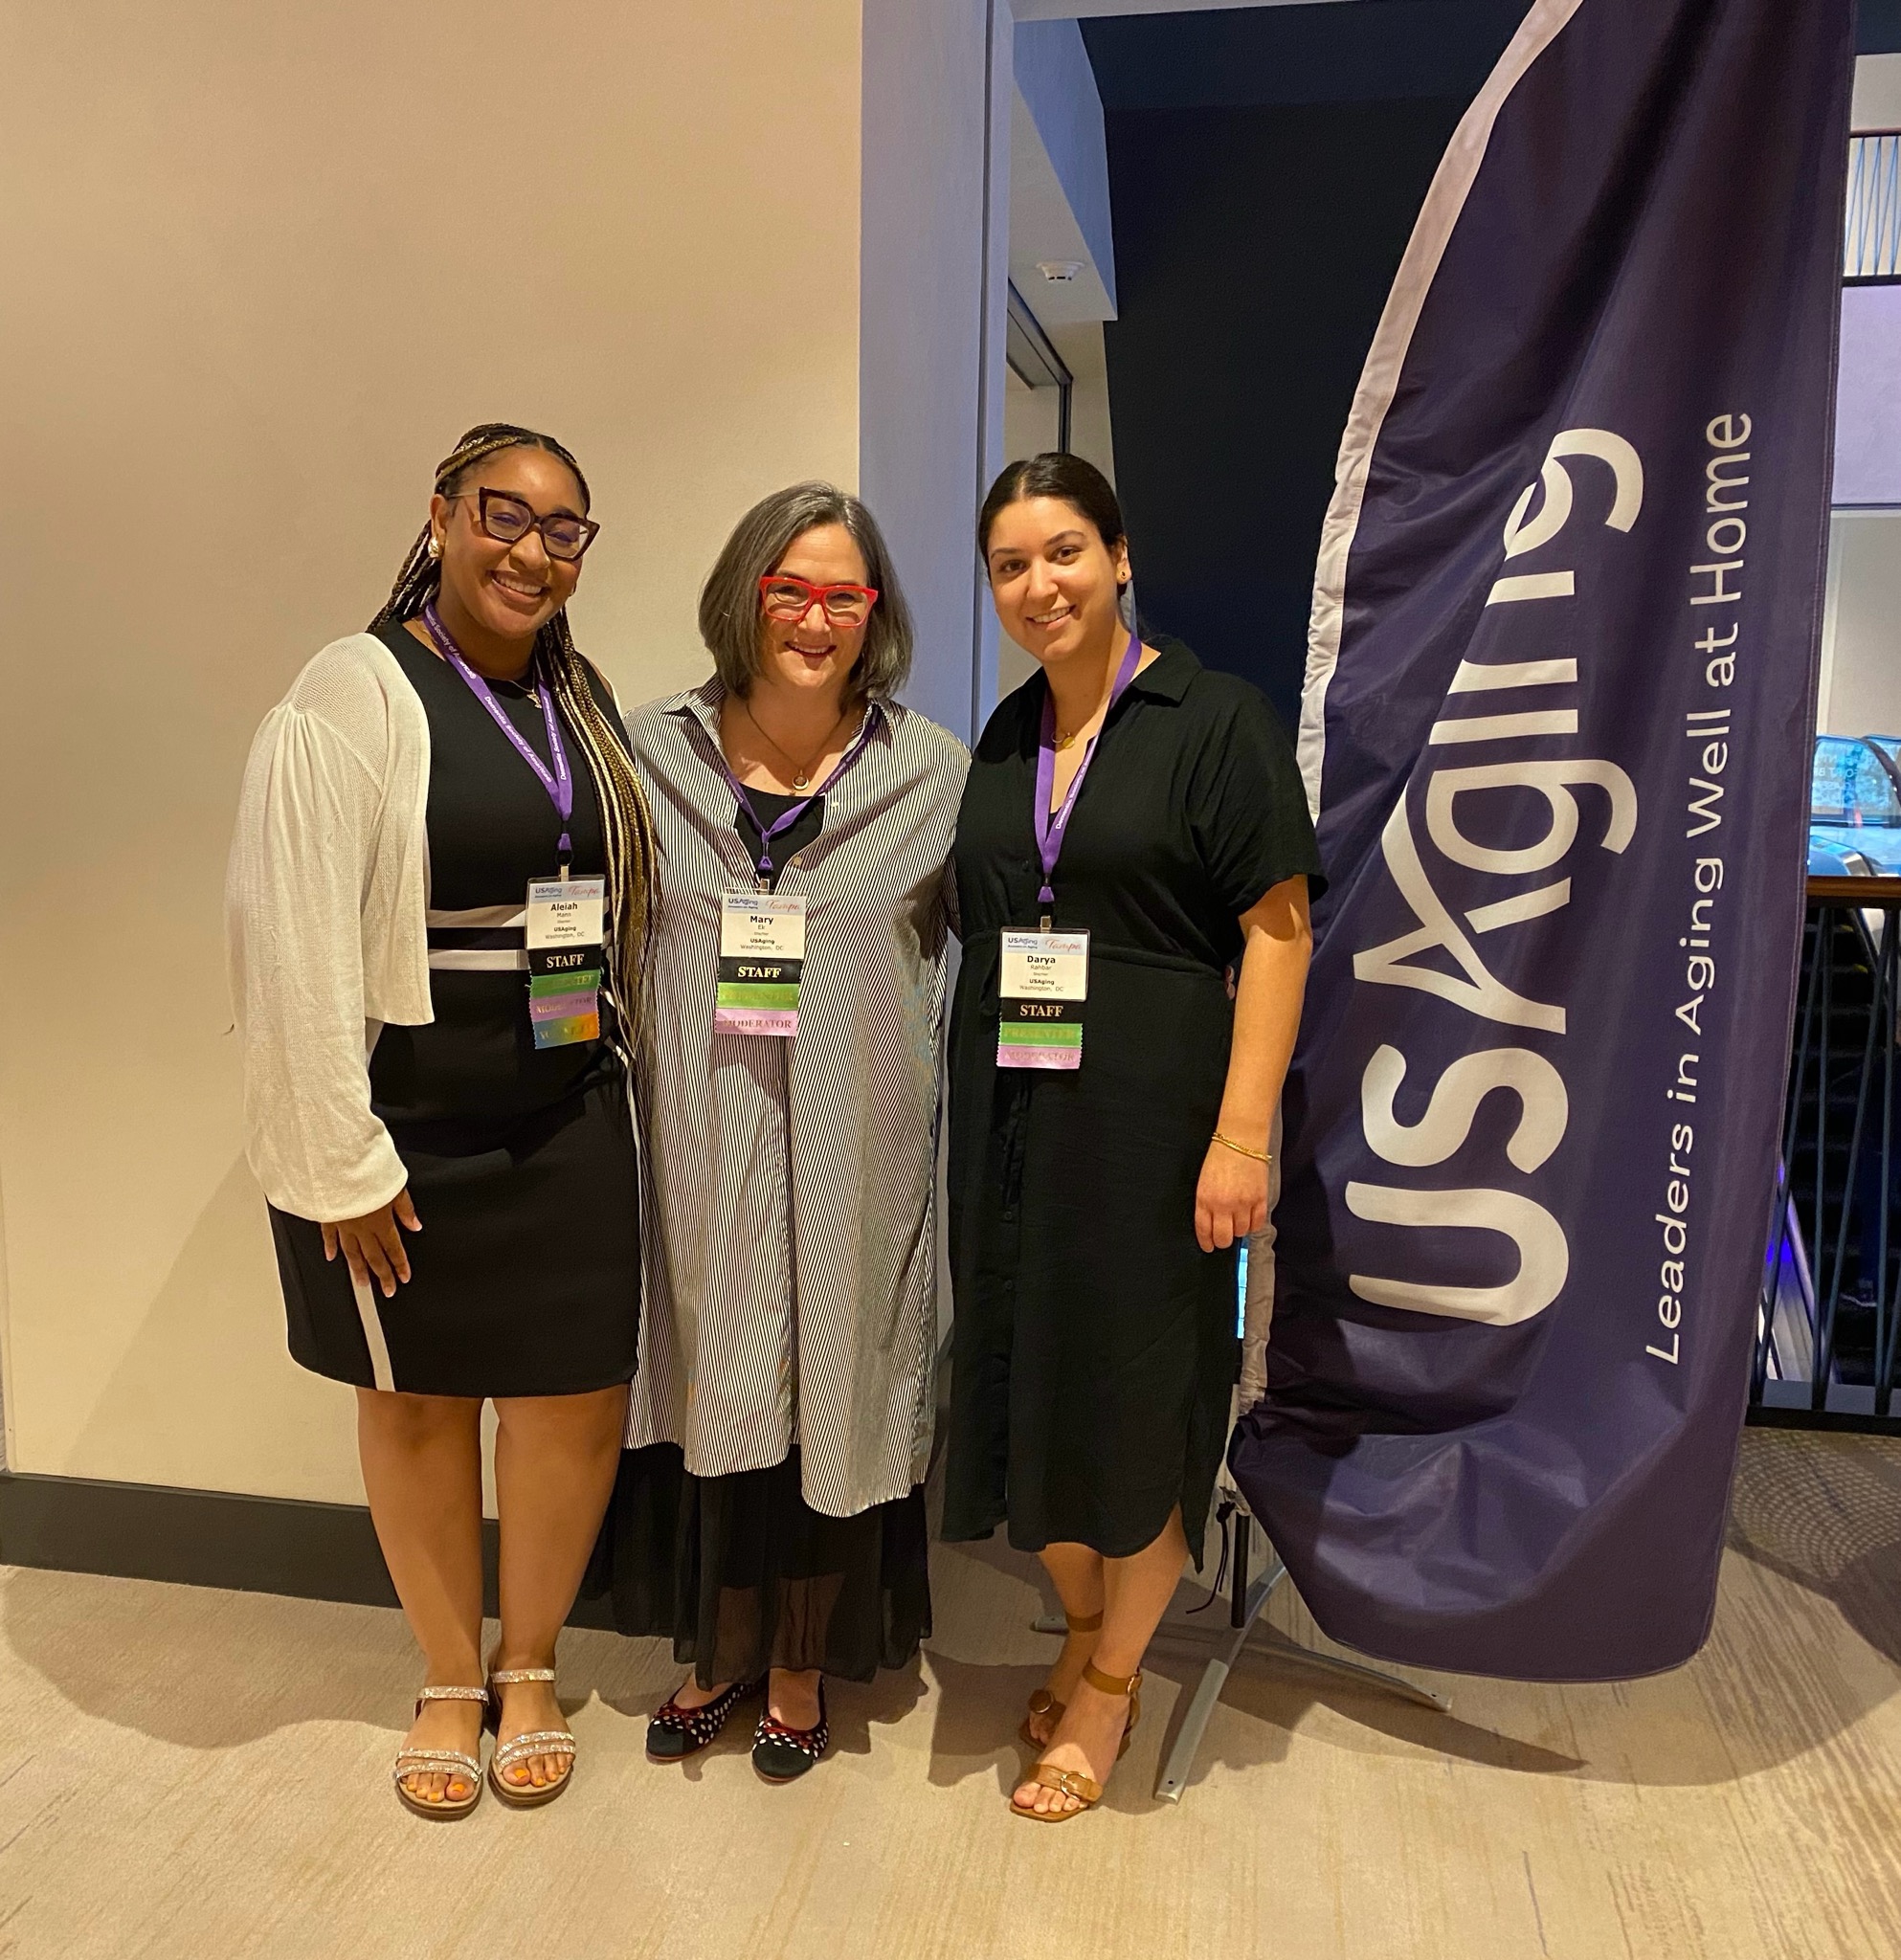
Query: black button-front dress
x,y
1095,1344
522,1161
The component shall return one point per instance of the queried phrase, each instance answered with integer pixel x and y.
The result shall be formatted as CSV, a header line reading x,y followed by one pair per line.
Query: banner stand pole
x,y
1246,1603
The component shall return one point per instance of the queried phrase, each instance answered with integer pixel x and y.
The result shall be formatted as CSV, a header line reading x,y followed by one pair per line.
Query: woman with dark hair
x,y
439,907
1132,834
768,1515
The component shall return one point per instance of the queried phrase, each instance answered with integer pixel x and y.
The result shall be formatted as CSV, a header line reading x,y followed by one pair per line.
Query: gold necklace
x,y
801,776
1063,740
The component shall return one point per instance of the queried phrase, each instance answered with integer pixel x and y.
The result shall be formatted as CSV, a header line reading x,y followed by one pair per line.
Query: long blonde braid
x,y
627,825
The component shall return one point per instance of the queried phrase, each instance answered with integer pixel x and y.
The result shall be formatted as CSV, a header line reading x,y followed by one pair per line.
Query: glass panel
x,y
1851,787
1828,791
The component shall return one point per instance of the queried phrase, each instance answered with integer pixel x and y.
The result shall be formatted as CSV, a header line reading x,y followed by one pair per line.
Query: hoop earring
x,y
434,547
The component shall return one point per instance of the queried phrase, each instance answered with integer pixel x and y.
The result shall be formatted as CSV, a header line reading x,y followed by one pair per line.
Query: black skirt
x,y
524,1276
743,1575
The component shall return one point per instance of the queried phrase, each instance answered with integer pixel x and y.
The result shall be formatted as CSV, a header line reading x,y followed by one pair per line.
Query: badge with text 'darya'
x,y
565,938
1041,988
762,953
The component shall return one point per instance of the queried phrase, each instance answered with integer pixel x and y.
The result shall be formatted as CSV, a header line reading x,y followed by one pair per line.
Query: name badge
x,y
762,952
1044,984
565,938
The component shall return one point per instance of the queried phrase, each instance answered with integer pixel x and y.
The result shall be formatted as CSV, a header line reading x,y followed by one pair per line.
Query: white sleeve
x,y
299,865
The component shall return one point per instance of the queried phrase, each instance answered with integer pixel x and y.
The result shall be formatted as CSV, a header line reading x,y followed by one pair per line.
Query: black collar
x,y
1167,677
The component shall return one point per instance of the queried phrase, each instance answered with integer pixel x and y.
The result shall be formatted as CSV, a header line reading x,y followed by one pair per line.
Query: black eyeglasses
x,y
508,519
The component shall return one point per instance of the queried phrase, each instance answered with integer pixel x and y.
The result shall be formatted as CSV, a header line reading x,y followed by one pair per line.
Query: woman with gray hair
x,y
768,1515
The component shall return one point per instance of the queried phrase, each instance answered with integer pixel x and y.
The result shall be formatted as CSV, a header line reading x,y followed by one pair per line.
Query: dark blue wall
x,y
1354,52
1259,213
1878,28
1254,248
1266,167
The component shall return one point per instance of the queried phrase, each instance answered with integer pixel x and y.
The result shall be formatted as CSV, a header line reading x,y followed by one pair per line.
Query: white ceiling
x,y
1044,226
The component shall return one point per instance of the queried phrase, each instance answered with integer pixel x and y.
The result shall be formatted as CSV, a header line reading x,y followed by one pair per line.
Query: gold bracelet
x,y
1259,1156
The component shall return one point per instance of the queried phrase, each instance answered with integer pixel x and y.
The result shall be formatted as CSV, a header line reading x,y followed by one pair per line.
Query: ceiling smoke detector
x,y
1060,271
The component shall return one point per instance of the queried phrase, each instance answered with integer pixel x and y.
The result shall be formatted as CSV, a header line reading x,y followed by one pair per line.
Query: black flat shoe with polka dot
x,y
780,1753
676,1733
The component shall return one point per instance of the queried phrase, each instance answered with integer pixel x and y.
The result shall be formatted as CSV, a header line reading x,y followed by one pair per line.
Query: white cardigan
x,y
327,927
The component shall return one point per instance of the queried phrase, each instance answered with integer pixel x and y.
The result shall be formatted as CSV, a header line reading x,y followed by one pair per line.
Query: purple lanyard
x,y
768,832
1052,830
559,784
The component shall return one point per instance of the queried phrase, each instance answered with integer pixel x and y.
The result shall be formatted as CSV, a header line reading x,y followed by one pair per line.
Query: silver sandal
x,y
537,1742
444,1762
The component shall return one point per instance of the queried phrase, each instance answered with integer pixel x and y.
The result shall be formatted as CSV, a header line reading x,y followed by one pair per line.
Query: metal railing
x,y
1871,248
1830,1318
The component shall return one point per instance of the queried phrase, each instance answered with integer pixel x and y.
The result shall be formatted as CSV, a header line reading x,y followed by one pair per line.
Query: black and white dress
x,y
522,1162
740,1571
768,1512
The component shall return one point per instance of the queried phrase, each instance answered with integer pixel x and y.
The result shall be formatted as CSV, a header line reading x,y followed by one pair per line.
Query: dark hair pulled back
x,y
1054,474
627,826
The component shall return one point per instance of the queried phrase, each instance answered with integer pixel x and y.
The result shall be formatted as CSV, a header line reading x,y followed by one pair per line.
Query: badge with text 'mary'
x,y
565,938
1041,988
762,953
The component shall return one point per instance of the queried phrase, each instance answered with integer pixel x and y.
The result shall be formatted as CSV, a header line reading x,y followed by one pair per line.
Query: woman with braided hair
x,y
439,907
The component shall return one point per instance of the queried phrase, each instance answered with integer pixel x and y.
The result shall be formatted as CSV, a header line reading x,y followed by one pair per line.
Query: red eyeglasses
x,y
788,599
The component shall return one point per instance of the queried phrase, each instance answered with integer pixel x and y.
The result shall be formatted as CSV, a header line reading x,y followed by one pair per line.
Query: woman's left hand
x,y
1231,1199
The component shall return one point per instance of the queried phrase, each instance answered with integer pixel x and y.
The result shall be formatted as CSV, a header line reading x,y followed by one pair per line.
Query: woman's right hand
x,y
373,1245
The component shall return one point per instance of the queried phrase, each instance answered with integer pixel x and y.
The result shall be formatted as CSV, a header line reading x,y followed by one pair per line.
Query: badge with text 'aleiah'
x,y
565,940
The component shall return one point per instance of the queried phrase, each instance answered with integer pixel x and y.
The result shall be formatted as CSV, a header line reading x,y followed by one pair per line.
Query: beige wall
x,y
1029,424
1090,435
1860,692
928,311
1031,417
263,264
1877,99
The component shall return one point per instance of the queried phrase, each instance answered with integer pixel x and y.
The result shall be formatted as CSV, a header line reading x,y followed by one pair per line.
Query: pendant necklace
x,y
1063,740
1060,740
801,776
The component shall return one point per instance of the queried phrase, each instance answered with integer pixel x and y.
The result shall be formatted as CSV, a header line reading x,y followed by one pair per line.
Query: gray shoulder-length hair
x,y
732,622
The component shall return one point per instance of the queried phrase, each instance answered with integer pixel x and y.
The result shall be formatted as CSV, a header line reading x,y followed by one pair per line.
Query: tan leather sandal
x,y
1042,1701
1086,1790
445,1763
536,1741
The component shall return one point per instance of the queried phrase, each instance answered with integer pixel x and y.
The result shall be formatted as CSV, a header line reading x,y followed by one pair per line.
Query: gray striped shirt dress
x,y
789,1297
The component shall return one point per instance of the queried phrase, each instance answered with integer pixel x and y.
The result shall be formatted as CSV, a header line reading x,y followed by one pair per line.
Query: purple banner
x,y
1557,727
